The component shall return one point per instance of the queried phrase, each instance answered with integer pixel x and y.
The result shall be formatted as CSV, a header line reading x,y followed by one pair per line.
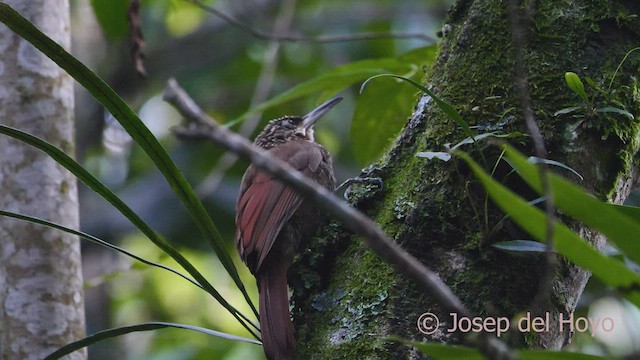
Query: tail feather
x,y
278,333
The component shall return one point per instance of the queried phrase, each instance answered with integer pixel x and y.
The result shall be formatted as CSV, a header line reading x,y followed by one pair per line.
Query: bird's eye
x,y
291,123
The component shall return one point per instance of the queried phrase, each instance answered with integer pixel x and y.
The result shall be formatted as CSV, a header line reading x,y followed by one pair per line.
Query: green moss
x,y
436,210
352,310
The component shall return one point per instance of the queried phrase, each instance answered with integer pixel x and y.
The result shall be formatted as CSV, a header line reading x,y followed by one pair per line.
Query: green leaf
x,y
557,355
112,16
566,242
447,352
575,84
379,116
612,109
632,212
443,105
424,56
134,126
110,333
343,76
456,352
619,229
382,112
521,246
94,184
328,83
183,18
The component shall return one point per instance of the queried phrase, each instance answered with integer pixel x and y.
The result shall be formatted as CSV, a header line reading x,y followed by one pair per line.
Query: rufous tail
x,y
278,333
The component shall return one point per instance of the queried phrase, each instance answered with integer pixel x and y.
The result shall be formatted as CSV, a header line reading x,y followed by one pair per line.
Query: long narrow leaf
x,y
133,125
83,175
110,333
96,240
633,212
566,242
570,198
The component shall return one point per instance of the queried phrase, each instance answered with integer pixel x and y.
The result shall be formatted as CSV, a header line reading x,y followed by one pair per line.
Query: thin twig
x,y
260,94
203,127
137,37
520,24
281,37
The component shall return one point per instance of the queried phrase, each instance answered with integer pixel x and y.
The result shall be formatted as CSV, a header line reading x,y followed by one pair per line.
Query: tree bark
x,y
41,295
346,299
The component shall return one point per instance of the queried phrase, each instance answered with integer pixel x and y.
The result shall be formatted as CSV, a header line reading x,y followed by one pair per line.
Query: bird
x,y
273,220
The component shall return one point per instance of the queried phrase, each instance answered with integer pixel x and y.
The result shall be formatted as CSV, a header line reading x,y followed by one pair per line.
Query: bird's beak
x,y
310,119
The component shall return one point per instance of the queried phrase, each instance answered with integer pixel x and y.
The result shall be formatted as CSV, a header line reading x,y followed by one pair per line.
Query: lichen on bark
x,y
41,299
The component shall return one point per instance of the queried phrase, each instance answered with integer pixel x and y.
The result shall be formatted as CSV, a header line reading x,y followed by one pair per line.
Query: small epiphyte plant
x,y
600,101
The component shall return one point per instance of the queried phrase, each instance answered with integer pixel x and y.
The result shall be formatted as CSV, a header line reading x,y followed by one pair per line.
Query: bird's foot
x,y
370,184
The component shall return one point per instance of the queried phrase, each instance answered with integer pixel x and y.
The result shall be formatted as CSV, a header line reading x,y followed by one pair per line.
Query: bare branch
x,y
202,126
318,39
520,23
137,38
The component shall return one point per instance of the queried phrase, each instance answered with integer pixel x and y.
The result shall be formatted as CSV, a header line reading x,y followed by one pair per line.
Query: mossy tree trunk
x,y
346,298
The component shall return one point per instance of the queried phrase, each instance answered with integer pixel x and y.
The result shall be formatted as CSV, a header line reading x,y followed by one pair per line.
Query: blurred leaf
x,y
379,115
343,76
328,83
612,109
110,333
575,84
183,17
112,16
443,105
142,136
439,351
382,112
574,201
521,246
632,212
425,55
566,242
446,352
557,355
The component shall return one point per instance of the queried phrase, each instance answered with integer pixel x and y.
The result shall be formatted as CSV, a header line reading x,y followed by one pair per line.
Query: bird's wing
x,y
266,204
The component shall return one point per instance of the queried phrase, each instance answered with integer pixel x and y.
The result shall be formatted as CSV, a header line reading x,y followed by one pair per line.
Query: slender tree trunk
x,y
41,299
347,299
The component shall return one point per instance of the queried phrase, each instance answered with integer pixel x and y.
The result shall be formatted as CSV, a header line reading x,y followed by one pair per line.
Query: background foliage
x,y
219,65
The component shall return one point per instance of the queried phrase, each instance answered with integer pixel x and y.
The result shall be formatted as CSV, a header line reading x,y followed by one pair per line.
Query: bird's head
x,y
289,128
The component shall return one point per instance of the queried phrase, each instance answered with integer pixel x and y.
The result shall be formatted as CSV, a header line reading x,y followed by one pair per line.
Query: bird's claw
x,y
378,184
